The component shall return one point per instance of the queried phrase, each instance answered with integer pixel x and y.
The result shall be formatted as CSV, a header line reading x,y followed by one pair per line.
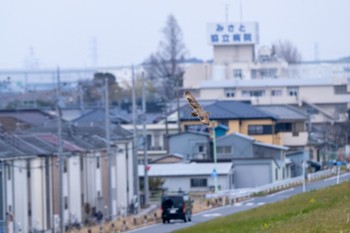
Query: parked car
x,y
176,206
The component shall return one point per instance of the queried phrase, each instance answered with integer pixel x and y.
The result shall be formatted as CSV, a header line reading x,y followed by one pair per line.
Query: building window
x,y
199,182
293,91
341,108
276,92
29,209
149,141
64,165
259,129
224,149
81,164
65,203
276,174
237,73
201,148
251,93
230,93
223,122
97,162
340,89
8,173
283,127
263,73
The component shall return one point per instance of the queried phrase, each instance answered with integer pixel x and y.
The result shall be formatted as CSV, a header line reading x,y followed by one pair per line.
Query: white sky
x,y
61,31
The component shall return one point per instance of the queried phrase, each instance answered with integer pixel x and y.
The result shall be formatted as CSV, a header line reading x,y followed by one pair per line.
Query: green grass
x,y
326,210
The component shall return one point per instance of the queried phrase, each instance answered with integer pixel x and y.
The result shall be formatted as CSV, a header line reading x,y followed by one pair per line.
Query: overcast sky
x,y
61,32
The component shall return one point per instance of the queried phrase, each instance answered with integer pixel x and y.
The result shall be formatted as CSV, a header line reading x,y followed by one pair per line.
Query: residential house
x,y
255,163
290,125
32,174
157,139
190,144
191,177
238,117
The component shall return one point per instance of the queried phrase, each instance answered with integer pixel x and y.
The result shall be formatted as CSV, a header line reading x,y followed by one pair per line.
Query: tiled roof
x,y
227,109
284,112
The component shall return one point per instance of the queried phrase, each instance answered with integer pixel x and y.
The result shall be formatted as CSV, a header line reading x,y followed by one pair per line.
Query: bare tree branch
x,y
286,51
164,67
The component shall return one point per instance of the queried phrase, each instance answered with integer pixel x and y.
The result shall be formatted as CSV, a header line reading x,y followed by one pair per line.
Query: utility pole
x,y
81,98
134,150
166,143
145,145
60,149
108,147
178,104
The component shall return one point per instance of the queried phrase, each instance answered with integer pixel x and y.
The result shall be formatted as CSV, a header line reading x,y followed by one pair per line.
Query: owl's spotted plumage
x,y
197,109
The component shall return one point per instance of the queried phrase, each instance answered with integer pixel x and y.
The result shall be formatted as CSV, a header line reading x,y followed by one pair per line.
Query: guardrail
x,y
248,192
319,174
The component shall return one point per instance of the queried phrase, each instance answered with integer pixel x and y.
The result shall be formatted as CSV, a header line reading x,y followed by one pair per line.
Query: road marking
x,y
261,203
211,215
284,191
249,203
238,204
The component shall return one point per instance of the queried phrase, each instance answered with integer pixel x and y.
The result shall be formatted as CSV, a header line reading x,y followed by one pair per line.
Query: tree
x,y
93,90
287,51
164,67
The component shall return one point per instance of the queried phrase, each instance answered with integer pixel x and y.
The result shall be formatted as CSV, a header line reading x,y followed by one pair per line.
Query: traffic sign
x,y
214,173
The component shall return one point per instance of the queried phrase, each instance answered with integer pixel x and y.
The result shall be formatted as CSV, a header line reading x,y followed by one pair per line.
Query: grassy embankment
x,y
326,210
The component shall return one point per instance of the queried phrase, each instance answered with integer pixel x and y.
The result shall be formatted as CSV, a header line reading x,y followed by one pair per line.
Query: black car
x,y
176,206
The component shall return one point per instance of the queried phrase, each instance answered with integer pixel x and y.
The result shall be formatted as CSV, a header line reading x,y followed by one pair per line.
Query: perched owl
x,y
197,109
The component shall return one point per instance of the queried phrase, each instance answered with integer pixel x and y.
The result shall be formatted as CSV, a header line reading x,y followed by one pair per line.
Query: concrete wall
x,y
74,191
20,195
229,54
184,183
249,174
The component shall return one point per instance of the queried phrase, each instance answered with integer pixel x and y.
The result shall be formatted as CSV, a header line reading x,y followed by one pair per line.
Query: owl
x,y
198,111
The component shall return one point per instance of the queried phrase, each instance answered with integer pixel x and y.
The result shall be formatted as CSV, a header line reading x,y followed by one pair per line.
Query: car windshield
x,y
172,201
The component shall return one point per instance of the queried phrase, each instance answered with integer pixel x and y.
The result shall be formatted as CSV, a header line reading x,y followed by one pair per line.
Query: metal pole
x,y
215,161
303,165
108,147
178,104
145,145
135,157
60,149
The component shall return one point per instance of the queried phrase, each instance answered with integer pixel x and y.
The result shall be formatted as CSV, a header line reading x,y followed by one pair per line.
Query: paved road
x,y
238,207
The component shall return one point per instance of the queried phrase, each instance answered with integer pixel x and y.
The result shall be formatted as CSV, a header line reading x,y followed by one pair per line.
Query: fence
x,y
248,192
319,174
